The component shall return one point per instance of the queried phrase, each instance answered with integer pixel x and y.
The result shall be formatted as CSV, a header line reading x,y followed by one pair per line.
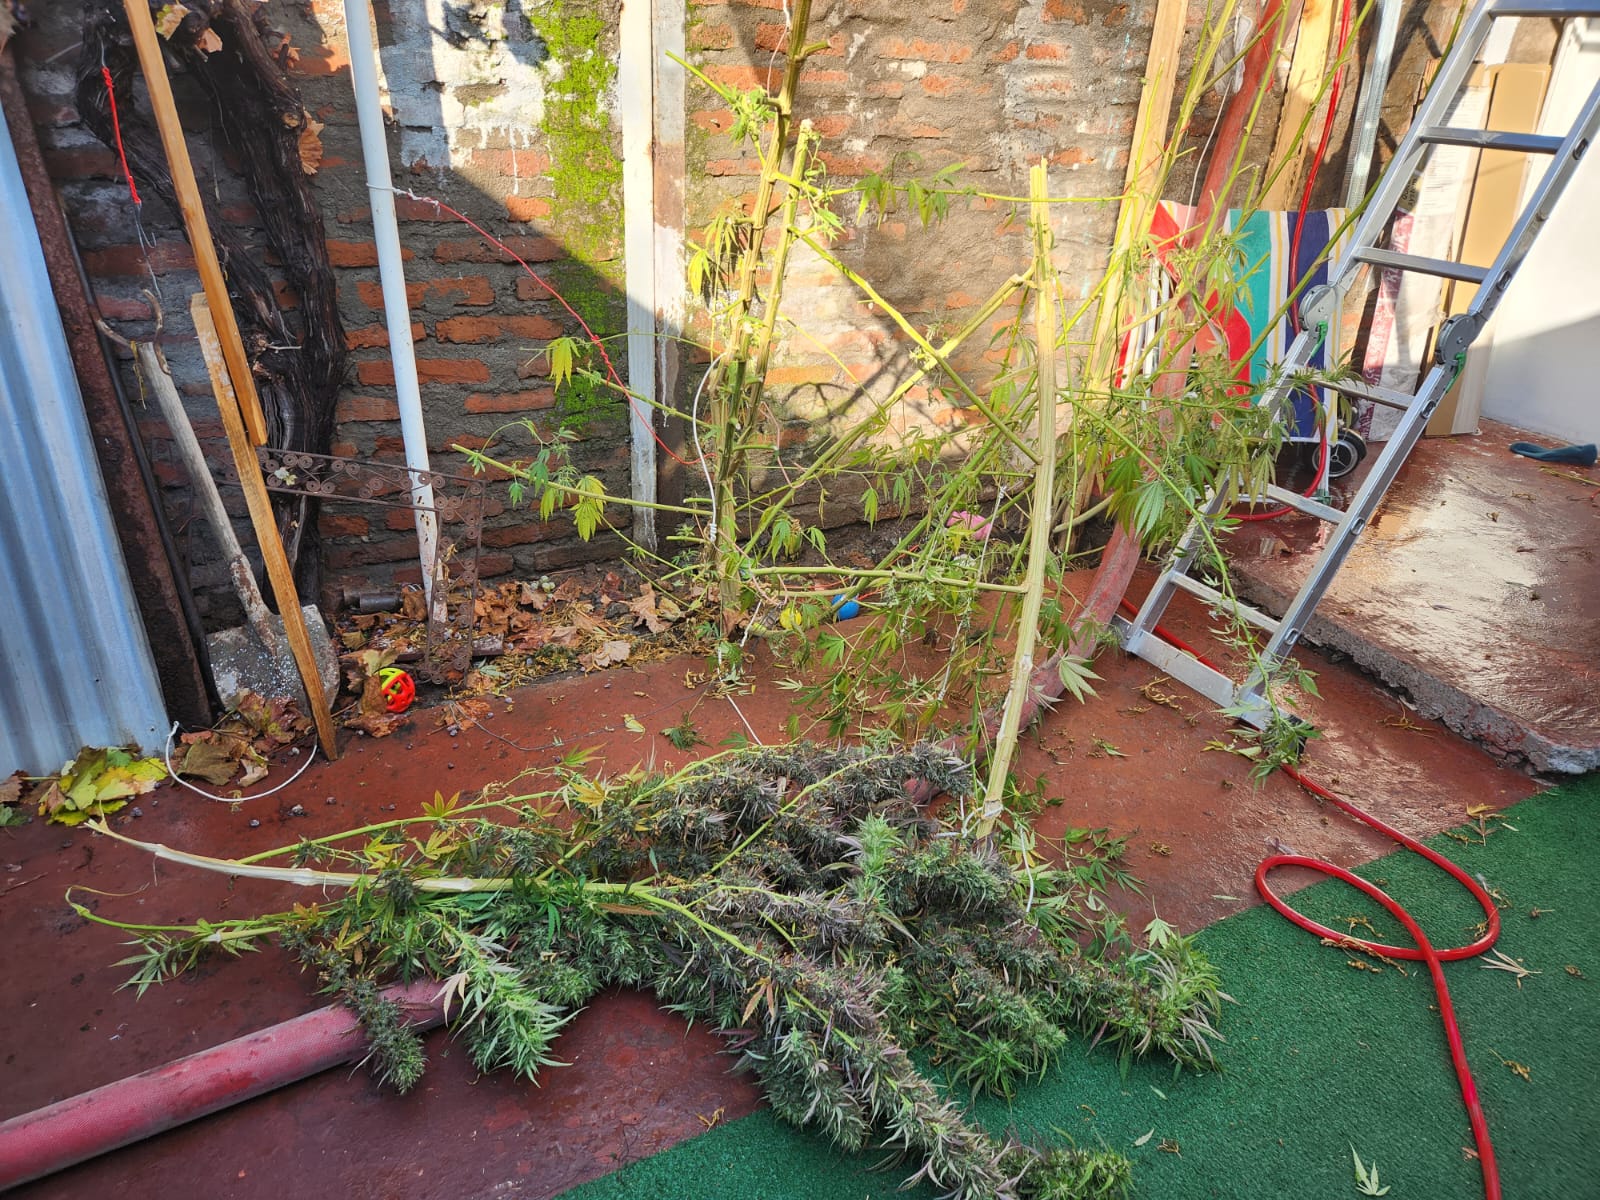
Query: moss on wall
x,y
584,167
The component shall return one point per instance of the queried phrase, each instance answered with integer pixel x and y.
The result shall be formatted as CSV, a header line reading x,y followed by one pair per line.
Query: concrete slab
x,y
1473,591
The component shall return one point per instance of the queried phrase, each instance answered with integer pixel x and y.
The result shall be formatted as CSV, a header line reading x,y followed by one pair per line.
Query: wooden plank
x,y
194,215
1150,125
1306,72
260,505
1144,164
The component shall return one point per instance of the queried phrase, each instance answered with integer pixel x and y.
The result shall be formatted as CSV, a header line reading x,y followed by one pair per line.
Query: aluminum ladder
x,y
1250,700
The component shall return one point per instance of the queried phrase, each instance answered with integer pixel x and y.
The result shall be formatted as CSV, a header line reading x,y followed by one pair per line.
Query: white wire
x,y
694,428
199,791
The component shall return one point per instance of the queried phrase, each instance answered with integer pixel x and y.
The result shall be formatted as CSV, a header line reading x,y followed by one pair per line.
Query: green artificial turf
x,y
1319,1055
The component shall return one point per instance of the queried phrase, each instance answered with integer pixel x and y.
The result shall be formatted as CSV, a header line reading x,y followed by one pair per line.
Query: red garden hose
x,y
1424,949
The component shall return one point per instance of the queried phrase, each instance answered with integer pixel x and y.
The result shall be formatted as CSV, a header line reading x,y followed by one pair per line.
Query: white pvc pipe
x,y
635,100
396,309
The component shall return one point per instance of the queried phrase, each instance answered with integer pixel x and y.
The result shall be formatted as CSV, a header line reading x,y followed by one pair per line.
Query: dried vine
x,y
298,363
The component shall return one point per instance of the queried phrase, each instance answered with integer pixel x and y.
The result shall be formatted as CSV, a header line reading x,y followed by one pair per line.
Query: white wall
x,y
1543,371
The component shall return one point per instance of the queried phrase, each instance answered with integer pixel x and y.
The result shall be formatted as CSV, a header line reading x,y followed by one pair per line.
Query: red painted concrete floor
x,y
1473,590
638,1081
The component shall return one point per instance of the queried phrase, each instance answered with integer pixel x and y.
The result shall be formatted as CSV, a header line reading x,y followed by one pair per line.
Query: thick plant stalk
x,y
1044,483
729,416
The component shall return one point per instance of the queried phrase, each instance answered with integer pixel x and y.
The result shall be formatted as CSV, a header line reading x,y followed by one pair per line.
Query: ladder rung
x,y
1490,139
1226,603
1555,9
1387,397
1305,504
1442,267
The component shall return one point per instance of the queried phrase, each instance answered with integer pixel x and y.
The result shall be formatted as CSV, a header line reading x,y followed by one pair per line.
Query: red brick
x,y
745,78
367,408
1072,156
943,52
1047,52
733,166
802,373
832,125
892,88
473,330
513,164
525,533
342,526
950,85
82,162
1065,10
527,208
510,402
429,370
857,164
713,120
707,36
361,554
469,291
130,260
406,208
322,60
343,449
477,250
357,254
370,337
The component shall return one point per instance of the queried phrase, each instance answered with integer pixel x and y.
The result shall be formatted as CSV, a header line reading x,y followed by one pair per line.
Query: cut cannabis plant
x,y
793,898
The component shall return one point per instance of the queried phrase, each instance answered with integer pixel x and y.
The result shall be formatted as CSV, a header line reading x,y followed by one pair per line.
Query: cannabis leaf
x,y
1367,1181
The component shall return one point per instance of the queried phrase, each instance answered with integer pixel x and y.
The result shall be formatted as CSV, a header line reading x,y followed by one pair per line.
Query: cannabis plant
x,y
792,898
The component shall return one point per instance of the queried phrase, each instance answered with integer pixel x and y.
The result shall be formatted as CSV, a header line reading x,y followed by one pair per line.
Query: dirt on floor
x,y
1140,759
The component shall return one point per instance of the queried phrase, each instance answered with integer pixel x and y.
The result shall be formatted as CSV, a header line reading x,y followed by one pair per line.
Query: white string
x,y
199,791
694,428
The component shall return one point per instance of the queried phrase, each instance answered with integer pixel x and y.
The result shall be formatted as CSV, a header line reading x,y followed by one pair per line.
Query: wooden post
x,y
255,494
194,217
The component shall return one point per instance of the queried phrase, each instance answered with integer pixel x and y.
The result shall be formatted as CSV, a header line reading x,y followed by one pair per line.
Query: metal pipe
x,y
391,274
1369,108
82,1127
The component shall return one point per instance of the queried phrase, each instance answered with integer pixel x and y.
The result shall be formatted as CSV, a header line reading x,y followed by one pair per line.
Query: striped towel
x,y
1245,325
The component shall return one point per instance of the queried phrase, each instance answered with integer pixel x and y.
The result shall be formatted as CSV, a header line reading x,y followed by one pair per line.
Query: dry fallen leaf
x,y
608,655
169,17
209,42
646,612
310,142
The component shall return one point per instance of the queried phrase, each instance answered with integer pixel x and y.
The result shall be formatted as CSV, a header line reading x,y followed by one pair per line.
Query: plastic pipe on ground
x,y
70,1131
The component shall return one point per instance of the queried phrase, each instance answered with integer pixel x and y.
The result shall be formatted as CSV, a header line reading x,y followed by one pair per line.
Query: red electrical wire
x,y
1323,451
1424,949
116,130
611,371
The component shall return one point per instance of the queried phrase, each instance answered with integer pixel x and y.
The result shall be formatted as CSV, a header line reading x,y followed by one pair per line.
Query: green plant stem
x,y
1005,743
886,573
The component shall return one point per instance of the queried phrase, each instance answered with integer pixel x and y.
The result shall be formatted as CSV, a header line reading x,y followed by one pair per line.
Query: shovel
x,y
254,657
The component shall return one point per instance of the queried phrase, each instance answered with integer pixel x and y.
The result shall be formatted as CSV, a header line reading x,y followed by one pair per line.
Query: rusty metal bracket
x,y
458,504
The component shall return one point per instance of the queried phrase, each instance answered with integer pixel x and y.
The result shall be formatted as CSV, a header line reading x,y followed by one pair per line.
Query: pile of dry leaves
x,y
589,621
236,750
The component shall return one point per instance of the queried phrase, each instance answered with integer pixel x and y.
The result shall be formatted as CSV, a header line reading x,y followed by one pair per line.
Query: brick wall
x,y
506,111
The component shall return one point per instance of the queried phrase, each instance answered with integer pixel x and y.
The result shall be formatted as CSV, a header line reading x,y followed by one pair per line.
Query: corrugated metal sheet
x,y
75,666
